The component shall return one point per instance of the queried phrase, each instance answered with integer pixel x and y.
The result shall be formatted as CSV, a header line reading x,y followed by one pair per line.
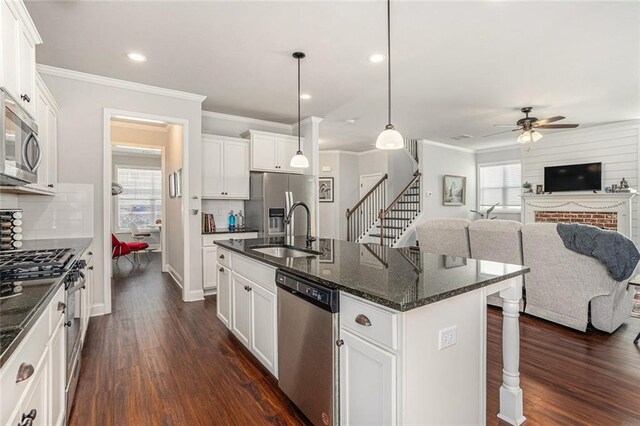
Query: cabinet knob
x,y
339,342
25,98
33,413
90,268
221,256
67,324
221,269
61,306
247,288
50,185
362,319
90,253
24,372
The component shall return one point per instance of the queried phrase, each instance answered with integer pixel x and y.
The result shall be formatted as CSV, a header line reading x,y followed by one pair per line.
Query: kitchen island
x,y
419,355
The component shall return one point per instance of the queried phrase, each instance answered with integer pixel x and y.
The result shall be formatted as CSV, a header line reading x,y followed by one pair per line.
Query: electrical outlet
x,y
447,337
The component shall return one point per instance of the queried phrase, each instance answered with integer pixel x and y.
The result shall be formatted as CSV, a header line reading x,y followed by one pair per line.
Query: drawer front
x,y
255,271
369,321
56,308
30,352
224,258
208,240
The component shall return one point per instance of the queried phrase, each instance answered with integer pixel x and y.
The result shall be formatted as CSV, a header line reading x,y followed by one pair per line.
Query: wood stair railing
x,y
363,216
401,212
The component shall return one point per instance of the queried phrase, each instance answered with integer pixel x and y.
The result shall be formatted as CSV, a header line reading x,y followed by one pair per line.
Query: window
x,y
499,183
140,202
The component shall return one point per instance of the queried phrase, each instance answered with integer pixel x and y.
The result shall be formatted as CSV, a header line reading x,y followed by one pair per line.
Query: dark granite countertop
x,y
18,314
400,279
230,231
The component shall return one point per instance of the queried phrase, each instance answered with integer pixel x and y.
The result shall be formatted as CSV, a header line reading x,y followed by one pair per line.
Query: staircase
x,y
372,220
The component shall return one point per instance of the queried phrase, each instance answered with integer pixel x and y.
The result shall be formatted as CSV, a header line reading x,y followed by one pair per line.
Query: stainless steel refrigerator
x,y
269,204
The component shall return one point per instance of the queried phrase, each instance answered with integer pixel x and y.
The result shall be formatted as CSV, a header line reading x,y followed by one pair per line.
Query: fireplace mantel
x,y
619,203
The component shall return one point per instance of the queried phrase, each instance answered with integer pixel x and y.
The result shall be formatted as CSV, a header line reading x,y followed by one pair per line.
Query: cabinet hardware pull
x,y
24,372
61,306
363,320
339,342
221,256
90,253
33,413
195,197
221,269
90,268
50,185
25,97
67,324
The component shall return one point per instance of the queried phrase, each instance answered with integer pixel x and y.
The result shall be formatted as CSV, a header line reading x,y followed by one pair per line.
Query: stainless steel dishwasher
x,y
307,351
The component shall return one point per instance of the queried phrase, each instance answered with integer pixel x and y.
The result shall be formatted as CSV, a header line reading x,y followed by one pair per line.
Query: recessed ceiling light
x,y
137,57
376,57
350,121
305,96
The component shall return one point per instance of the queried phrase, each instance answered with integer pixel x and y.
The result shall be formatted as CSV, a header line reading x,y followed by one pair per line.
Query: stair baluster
x,y
363,216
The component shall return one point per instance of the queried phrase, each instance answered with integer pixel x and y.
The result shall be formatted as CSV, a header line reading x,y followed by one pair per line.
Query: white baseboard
x,y
210,291
193,296
175,275
97,310
165,268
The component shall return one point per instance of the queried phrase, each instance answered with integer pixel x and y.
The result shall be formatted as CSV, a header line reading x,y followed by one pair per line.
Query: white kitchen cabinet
x,y
272,152
223,300
18,54
225,168
86,294
209,267
35,404
367,382
241,308
264,312
57,376
47,120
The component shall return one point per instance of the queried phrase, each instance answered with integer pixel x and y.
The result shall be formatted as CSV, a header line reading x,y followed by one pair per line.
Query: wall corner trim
x,y
120,84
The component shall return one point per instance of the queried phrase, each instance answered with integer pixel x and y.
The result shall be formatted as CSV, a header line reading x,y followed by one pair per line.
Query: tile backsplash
x,y
67,214
220,210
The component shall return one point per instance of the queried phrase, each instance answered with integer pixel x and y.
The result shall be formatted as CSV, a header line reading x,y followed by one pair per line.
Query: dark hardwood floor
x,y
158,361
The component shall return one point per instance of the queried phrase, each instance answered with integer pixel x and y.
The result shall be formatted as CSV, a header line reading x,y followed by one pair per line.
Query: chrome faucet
x,y
287,220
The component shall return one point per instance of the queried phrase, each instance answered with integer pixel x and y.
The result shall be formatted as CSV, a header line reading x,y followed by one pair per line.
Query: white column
x,y
511,406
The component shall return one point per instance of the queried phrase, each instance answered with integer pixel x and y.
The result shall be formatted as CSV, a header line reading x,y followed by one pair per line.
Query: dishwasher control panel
x,y
317,294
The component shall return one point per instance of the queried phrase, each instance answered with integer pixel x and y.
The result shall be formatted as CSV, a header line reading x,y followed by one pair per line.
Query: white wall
x,y
511,153
616,146
81,151
174,208
344,170
436,161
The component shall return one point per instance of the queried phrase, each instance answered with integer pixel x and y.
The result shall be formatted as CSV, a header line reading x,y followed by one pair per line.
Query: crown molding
x,y
309,120
120,84
26,20
446,145
246,120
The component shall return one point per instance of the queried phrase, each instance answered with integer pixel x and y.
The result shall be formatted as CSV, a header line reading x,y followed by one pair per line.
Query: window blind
x,y
141,200
500,184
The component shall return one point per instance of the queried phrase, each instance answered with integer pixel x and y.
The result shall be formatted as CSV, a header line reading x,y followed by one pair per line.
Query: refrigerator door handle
x,y
289,227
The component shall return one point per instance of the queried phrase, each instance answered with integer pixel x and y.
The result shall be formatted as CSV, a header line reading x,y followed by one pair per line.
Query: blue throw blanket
x,y
618,253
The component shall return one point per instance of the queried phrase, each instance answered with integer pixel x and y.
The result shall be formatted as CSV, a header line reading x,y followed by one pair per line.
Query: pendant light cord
x,y
389,55
299,150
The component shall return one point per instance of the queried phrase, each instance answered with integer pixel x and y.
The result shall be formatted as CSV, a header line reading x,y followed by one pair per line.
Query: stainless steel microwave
x,y
20,150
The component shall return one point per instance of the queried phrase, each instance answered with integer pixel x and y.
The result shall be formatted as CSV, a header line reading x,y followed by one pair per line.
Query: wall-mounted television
x,y
573,177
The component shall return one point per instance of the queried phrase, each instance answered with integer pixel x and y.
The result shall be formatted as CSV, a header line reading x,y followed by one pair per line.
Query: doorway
x,y
142,207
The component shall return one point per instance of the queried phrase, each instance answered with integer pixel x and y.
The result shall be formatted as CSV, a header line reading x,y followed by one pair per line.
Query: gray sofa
x,y
562,283
563,286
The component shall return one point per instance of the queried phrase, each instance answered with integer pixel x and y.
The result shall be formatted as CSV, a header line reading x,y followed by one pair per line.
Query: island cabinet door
x,y
367,383
223,299
264,340
241,311
57,371
209,267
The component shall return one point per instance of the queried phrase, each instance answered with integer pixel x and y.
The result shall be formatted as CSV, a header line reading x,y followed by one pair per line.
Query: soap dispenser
x,y
240,221
232,220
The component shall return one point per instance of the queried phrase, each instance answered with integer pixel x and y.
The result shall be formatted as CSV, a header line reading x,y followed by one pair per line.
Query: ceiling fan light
x,y
299,161
390,138
536,136
524,137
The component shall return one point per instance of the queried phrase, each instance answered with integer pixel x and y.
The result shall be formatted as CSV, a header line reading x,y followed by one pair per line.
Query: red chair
x,y
121,248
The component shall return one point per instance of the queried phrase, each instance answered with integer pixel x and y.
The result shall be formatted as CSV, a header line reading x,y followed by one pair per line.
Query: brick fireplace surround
x,y
604,220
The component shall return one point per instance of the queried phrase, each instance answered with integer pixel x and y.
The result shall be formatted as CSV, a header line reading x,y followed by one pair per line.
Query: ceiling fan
x,y
528,125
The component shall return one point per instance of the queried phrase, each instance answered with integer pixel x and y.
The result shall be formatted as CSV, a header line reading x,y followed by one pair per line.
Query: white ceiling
x,y
459,67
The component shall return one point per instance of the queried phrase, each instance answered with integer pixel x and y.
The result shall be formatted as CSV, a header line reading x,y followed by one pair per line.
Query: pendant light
x,y
299,161
390,138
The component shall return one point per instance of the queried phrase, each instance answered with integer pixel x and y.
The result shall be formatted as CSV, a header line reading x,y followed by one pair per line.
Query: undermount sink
x,y
285,251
